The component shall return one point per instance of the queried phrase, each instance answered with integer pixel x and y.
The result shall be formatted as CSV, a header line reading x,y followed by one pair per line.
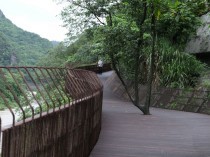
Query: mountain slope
x,y
19,47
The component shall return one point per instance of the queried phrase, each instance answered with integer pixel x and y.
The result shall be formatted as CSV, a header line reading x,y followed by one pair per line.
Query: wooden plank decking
x,y
127,133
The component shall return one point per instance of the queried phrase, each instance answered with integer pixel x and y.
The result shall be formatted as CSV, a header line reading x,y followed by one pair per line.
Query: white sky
x,y
37,16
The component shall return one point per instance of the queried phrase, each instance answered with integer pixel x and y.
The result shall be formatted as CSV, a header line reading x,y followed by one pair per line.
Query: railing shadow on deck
x,y
56,111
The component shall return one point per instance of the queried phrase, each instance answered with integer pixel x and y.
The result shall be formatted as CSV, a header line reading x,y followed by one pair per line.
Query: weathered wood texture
x,y
166,133
69,130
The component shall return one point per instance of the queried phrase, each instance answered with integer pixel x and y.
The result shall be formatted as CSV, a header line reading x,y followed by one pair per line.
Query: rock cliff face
x,y
201,42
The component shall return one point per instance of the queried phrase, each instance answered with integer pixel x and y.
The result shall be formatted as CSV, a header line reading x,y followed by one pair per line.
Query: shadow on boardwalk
x,y
127,133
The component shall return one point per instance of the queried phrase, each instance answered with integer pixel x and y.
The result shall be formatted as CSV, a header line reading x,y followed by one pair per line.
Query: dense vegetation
x,y
143,39
18,47
85,50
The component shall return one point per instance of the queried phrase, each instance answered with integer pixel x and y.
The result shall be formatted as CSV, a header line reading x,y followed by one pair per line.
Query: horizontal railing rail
x,y
94,67
55,104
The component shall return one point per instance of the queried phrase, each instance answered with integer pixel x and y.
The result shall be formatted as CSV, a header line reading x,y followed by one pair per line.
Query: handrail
x,y
95,68
71,97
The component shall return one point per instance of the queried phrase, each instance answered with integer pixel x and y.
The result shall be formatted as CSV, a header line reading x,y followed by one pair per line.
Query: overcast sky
x,y
37,16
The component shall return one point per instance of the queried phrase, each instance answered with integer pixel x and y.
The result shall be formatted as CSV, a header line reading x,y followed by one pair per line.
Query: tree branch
x,y
151,69
98,19
113,60
110,18
141,22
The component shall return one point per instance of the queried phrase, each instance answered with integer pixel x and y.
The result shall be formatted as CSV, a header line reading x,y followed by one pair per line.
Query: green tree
x,y
5,50
85,50
9,89
104,13
177,22
127,29
55,57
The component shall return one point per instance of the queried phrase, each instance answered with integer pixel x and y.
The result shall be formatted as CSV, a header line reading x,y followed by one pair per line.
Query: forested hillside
x,y
19,47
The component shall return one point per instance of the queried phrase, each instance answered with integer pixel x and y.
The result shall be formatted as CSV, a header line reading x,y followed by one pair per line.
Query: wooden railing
x,y
106,67
56,111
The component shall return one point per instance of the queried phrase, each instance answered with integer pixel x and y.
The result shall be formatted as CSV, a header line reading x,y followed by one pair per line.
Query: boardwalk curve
x,y
166,133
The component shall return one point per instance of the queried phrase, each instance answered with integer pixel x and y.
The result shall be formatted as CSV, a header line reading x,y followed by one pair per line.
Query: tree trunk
x,y
152,60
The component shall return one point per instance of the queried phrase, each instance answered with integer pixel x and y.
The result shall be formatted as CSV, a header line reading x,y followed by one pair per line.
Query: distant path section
x,y
166,133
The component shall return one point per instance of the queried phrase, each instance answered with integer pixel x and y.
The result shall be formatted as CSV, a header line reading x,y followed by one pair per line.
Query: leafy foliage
x,y
199,7
177,22
55,57
5,50
85,50
7,81
128,31
176,68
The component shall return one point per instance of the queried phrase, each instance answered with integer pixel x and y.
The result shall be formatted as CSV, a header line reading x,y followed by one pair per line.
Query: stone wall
x,y
177,99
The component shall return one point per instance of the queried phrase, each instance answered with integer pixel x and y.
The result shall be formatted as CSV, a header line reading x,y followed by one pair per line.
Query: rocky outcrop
x,y
201,42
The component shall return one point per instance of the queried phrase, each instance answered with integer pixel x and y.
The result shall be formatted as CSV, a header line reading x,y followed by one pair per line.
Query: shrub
x,y
176,68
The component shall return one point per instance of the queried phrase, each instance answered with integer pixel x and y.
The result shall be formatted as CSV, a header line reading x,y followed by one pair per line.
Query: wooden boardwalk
x,y
127,133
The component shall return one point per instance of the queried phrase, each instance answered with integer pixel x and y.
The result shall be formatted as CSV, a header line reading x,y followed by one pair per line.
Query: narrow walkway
x,y
127,133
